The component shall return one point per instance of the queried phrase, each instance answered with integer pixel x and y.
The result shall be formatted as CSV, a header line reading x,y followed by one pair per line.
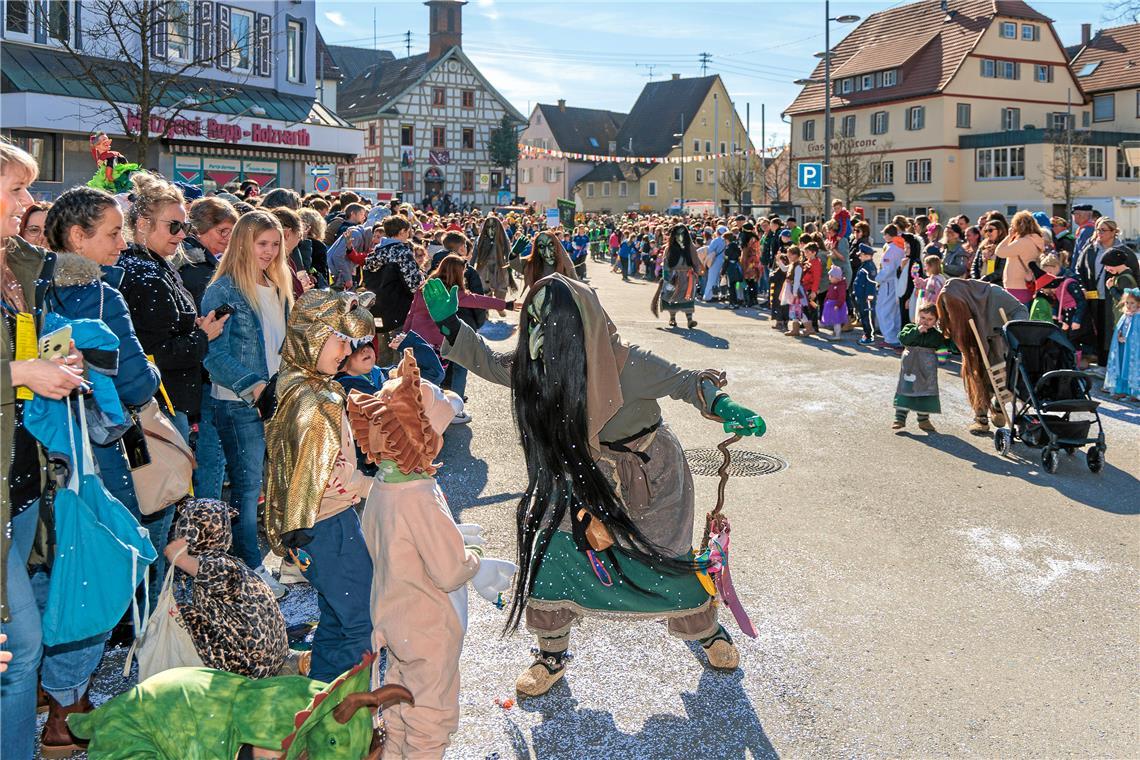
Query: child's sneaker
x,y
865,341
291,575
898,425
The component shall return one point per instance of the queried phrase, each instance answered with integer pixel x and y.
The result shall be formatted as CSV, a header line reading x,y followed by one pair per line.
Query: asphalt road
x,y
916,595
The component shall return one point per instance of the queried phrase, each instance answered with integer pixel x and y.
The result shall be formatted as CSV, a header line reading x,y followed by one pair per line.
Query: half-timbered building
x,y
427,120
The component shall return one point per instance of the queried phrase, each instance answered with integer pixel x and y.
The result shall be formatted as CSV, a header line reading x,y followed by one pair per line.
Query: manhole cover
x,y
745,464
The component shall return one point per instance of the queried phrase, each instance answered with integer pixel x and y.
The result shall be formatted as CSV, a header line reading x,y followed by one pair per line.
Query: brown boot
x,y
57,741
980,426
794,330
41,699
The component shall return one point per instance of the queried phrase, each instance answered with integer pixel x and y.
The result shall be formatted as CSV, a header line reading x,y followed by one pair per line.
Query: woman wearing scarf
x,y
605,525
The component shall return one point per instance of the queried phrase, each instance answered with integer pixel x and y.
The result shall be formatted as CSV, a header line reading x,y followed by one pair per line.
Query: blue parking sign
x,y
811,176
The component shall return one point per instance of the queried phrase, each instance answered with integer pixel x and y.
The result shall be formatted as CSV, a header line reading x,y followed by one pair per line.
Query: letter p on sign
x,y
811,176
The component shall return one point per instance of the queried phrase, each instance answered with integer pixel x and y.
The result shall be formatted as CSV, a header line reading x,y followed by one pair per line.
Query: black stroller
x,y
1052,408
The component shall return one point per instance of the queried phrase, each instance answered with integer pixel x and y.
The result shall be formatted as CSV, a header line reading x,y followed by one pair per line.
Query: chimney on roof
x,y
561,104
1086,33
676,76
445,29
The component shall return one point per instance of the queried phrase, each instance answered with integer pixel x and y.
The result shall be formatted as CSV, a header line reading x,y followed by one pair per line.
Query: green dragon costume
x,y
203,714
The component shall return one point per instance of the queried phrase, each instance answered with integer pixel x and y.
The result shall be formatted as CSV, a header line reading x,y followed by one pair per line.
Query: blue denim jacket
x,y
236,359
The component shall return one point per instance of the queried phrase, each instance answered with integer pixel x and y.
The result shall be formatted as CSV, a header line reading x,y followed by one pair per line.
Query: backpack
x,y
332,231
393,297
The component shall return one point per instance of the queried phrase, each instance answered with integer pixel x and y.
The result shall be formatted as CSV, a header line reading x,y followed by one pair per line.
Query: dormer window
x,y
867,82
1009,30
846,85
890,78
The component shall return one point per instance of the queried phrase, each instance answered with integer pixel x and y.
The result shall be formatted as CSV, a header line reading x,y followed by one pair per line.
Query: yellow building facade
x,y
701,110
968,116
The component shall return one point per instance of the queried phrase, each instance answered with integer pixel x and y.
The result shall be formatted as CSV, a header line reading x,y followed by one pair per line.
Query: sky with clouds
x,y
600,54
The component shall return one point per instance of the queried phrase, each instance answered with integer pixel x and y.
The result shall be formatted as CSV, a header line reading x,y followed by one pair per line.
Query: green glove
x,y
443,305
738,419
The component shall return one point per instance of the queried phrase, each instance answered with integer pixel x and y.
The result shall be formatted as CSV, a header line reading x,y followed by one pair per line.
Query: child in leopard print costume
x,y
233,616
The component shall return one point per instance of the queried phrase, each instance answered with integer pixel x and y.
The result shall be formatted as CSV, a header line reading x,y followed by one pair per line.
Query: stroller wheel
x,y
1094,458
1003,441
1050,459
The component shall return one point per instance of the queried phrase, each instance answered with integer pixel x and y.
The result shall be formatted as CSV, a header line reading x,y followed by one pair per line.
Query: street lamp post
x,y
845,19
680,138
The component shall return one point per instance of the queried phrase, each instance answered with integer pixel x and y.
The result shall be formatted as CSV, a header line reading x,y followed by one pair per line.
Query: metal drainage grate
x,y
745,464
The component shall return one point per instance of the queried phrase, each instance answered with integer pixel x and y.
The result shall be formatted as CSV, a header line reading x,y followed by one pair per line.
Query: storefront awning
x,y
241,151
877,197
54,72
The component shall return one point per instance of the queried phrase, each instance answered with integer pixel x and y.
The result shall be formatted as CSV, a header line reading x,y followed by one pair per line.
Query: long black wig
x,y
549,397
678,252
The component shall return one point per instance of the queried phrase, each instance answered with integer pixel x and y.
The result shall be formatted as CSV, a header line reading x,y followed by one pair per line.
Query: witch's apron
x,y
654,482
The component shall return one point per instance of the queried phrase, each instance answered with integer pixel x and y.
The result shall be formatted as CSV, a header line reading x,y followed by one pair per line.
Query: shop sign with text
x,y
220,130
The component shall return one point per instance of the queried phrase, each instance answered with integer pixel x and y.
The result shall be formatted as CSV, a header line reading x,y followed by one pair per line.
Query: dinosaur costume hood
x,y
303,437
404,422
202,714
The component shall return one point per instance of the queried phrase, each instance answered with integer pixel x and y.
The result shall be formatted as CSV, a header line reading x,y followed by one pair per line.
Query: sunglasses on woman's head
x,y
175,226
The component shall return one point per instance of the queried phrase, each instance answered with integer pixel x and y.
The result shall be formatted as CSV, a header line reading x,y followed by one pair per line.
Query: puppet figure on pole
x,y
112,170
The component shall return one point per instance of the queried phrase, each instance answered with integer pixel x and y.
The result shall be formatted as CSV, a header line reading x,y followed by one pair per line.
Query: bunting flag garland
x,y
530,151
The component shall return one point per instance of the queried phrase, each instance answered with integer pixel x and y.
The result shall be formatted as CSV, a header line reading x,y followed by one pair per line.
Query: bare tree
x,y
1067,176
777,180
140,55
739,177
1122,10
853,171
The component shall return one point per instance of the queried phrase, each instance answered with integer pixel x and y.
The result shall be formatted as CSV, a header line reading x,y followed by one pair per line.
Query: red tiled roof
x,y
884,55
1116,53
896,38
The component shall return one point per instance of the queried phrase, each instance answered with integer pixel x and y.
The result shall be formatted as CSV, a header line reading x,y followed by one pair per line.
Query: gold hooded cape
x,y
302,439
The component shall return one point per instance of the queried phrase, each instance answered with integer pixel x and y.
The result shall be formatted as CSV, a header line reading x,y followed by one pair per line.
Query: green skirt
x,y
924,404
566,579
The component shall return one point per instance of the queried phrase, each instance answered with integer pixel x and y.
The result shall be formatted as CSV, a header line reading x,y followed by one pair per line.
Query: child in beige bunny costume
x,y
422,560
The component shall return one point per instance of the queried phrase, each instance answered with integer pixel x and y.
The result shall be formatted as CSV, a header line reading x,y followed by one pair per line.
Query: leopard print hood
x,y
205,524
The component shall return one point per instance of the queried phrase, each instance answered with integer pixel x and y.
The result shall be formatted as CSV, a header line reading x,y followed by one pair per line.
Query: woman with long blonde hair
x,y
252,282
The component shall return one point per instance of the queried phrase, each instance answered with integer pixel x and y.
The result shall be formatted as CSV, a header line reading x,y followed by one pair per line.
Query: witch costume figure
x,y
491,254
677,291
112,170
605,525
547,256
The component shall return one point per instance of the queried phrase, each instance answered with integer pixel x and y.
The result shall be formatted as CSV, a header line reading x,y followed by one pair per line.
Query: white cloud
x,y
336,18
488,10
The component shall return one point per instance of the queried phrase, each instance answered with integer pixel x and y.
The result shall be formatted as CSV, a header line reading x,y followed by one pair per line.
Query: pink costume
x,y
420,561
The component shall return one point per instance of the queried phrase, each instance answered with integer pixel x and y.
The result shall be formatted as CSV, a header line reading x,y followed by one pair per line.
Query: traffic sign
x,y
810,176
320,171
322,184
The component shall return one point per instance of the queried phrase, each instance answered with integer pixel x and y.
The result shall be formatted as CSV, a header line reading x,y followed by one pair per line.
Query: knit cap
x,y
835,271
